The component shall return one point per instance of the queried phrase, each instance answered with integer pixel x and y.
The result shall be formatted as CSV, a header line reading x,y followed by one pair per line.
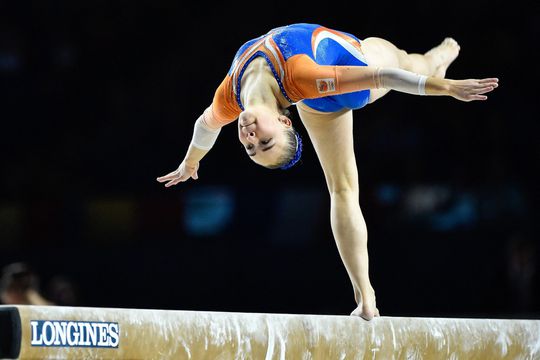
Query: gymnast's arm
x,y
412,83
205,133
221,112
307,77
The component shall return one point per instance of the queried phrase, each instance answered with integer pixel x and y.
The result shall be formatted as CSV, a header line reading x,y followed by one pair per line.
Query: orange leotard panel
x,y
224,107
308,80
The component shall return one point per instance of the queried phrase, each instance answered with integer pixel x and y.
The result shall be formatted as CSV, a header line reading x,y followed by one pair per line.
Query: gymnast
x,y
326,74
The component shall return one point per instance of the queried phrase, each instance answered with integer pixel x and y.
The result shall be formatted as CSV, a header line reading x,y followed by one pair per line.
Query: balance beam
x,y
52,332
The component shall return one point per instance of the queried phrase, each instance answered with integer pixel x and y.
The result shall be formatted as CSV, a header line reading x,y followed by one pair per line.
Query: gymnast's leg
x,y
382,53
332,137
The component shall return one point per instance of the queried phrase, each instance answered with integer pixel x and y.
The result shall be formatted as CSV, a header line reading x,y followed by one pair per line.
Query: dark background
x,y
98,98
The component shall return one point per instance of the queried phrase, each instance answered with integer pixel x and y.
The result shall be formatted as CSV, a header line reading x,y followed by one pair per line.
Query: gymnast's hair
x,y
293,149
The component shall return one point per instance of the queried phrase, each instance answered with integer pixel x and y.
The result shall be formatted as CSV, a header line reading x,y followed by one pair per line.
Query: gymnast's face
x,y
262,133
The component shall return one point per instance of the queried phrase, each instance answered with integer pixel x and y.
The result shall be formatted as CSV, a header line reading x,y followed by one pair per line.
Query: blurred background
x,y
98,98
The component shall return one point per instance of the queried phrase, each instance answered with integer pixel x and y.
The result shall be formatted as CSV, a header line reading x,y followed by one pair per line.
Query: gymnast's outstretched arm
x,y
345,79
205,133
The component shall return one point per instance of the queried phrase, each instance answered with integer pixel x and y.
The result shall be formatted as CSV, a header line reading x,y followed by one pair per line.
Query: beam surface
x,y
51,332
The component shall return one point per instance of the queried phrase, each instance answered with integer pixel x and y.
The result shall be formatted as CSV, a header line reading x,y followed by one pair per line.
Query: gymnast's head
x,y
269,137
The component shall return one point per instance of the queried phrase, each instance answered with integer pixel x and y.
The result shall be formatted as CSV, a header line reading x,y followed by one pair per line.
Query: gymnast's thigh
x,y
380,53
331,134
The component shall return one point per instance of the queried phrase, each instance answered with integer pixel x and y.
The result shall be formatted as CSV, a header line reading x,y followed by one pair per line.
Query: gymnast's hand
x,y
469,90
183,173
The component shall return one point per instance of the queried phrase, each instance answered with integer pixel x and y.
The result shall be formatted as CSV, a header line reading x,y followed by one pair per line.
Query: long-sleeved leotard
x,y
310,62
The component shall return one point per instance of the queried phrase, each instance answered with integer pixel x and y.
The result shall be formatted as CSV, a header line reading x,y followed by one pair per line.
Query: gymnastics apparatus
x,y
54,332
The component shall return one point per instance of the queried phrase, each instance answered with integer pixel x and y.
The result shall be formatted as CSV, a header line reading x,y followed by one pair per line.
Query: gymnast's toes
x,y
365,313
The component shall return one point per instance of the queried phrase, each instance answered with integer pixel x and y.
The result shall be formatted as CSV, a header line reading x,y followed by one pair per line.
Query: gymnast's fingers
x,y
484,90
168,177
477,97
172,182
489,80
169,184
487,83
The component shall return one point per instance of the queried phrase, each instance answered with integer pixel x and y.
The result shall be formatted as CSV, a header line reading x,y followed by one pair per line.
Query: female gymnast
x,y
326,74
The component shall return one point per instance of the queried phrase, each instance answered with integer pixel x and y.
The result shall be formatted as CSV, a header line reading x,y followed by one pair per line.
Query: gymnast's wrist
x,y
194,155
436,86
190,161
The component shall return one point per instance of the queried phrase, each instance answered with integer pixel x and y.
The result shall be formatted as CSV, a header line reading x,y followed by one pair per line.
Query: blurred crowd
x,y
22,285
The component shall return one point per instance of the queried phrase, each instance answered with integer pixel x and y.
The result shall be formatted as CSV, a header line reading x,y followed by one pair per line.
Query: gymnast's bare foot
x,y
364,313
443,55
366,308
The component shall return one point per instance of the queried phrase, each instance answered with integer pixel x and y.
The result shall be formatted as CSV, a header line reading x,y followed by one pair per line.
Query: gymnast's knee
x,y
344,184
344,192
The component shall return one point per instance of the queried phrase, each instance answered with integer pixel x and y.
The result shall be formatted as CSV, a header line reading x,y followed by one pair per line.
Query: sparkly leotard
x,y
310,63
